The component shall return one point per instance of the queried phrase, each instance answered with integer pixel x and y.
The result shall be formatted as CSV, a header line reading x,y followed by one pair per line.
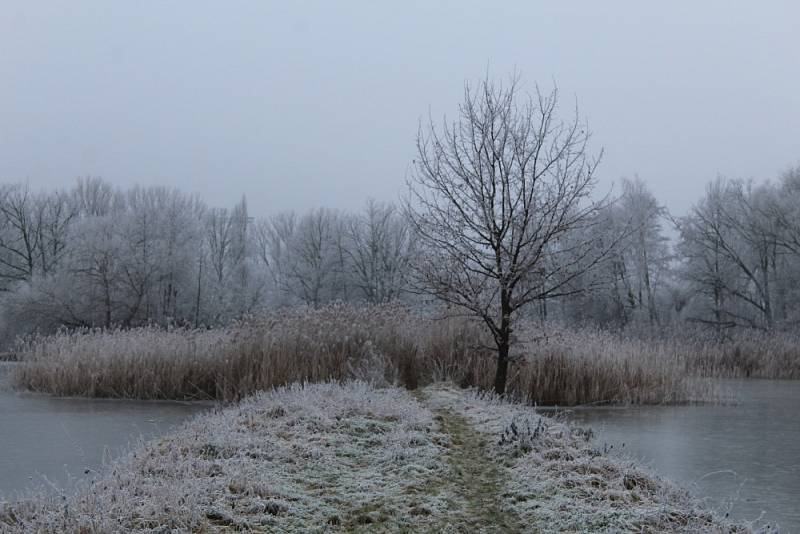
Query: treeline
x,y
734,261
97,255
100,256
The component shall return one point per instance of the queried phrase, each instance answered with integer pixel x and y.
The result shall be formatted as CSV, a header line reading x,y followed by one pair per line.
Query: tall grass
x,y
752,354
337,342
392,345
591,366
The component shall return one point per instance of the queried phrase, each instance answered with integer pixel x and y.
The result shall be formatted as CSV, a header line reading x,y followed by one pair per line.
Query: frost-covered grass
x,y
752,354
555,480
552,365
299,459
352,458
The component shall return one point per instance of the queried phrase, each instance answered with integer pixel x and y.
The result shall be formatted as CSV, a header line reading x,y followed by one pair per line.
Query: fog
x,y
316,103
233,201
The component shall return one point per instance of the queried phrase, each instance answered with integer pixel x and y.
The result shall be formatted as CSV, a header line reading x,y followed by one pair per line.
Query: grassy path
x,y
475,478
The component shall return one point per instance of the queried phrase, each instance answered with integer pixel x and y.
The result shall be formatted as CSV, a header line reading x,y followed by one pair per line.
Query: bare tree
x,y
497,199
226,242
313,273
784,207
33,229
95,197
20,233
58,213
729,247
637,266
272,241
379,250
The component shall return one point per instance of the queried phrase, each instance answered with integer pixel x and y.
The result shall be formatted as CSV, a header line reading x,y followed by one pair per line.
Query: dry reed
x,y
389,344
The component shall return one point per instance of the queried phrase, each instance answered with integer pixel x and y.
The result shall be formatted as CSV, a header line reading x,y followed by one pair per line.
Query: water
x,y
744,459
48,442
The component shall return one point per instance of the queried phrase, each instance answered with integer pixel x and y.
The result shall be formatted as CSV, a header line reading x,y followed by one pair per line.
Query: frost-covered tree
x,y
636,269
272,238
230,287
314,258
101,256
379,249
493,198
730,253
33,231
163,238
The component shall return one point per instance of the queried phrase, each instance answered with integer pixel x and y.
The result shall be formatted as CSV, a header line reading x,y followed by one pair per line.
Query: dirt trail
x,y
475,476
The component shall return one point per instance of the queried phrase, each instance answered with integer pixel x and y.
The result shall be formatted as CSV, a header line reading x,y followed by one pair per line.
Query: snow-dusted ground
x,y
351,457
556,481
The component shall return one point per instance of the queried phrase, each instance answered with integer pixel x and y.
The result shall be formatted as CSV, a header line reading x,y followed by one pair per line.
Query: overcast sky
x,y
300,104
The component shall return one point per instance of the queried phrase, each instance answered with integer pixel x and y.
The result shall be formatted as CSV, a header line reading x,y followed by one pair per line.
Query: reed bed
x,y
391,345
337,342
753,354
591,367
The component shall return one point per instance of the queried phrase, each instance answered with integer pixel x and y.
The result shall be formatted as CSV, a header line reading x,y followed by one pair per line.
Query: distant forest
x,y
101,256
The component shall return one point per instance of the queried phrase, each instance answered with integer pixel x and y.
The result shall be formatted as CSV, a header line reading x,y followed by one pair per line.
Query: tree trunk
x,y
503,341
502,368
768,317
107,301
199,288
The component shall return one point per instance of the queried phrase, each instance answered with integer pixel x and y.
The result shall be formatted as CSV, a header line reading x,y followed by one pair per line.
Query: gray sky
x,y
300,104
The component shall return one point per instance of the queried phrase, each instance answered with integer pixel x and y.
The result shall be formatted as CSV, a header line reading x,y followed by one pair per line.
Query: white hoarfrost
x,y
557,481
353,457
299,459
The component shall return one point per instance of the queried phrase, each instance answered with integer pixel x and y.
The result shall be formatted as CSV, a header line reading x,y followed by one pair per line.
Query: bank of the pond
x,y
328,457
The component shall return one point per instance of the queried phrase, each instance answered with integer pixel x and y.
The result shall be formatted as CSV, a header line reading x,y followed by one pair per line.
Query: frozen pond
x,y
745,458
51,439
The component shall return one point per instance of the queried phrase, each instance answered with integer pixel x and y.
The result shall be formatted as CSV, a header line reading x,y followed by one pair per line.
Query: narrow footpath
x,y
475,477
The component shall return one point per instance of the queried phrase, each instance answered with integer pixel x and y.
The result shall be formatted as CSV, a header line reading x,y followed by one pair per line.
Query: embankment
x,y
329,457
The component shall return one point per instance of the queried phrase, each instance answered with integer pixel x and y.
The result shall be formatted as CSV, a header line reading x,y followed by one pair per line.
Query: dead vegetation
x,y
549,365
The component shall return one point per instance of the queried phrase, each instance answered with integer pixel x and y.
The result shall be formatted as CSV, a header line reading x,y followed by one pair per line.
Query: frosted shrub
x,y
372,367
522,433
